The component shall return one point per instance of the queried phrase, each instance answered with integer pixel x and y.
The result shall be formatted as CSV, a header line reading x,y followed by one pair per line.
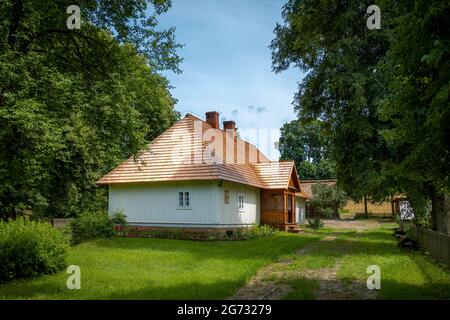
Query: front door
x,y
290,208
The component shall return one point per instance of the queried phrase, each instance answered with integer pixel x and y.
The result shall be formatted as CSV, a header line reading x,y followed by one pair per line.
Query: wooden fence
x,y
436,243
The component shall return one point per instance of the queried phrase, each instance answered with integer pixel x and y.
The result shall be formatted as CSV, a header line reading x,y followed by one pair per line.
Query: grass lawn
x,y
404,274
133,268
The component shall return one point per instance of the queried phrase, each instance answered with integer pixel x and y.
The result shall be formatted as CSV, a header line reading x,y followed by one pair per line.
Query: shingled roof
x,y
183,153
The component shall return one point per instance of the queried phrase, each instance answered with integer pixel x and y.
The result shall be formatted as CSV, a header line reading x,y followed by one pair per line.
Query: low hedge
x,y
30,248
89,226
244,233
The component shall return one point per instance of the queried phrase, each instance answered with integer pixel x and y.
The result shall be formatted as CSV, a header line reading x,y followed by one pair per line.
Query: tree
x,y
383,94
308,147
417,105
329,40
328,199
75,103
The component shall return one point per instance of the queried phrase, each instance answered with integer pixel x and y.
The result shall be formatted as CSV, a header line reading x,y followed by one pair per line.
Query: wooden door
x,y
290,208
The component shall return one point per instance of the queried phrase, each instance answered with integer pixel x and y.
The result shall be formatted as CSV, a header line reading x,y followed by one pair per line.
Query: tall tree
x,y
309,147
329,40
75,103
417,68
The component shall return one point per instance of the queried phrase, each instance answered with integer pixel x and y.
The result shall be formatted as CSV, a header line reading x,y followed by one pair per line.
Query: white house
x,y
196,175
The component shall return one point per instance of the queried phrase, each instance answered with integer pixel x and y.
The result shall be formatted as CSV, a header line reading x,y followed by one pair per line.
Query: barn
x,y
197,175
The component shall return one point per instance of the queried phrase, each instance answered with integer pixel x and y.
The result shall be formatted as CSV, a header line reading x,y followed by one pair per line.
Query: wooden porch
x,y
278,209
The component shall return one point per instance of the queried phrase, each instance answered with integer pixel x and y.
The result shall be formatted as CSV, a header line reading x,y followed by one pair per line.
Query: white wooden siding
x,y
300,210
157,203
229,213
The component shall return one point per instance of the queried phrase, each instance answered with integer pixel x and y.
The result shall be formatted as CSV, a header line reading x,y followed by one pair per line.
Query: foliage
x,y
30,248
119,218
418,101
306,144
88,226
381,95
315,223
417,105
253,232
76,103
328,198
257,231
326,212
329,41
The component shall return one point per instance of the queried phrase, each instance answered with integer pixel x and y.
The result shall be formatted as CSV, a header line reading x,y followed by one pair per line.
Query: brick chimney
x,y
229,125
212,117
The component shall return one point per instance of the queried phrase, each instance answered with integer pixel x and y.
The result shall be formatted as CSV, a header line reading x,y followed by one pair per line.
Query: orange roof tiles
x,y
192,150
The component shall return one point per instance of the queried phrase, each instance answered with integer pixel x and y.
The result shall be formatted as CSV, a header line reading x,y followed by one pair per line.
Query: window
x,y
184,199
180,199
241,202
226,196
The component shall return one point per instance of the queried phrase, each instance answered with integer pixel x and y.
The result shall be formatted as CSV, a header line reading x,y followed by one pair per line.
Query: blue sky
x,y
227,65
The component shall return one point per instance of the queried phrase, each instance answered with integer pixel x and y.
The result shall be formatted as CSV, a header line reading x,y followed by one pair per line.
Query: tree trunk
x,y
440,212
392,207
365,206
336,211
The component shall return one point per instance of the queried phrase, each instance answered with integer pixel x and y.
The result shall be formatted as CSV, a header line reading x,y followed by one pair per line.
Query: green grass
x,y
404,274
132,268
303,289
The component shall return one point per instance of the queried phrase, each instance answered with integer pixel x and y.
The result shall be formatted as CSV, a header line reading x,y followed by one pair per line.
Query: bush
x,y
90,226
119,218
257,231
30,248
315,223
326,212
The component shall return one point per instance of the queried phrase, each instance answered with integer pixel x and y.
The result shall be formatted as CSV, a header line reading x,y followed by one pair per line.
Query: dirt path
x,y
271,284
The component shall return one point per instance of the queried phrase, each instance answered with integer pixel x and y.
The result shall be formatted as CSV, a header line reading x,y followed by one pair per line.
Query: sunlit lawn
x,y
131,268
404,274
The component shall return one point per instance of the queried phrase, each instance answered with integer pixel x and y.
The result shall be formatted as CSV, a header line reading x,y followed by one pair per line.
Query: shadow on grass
x,y
307,289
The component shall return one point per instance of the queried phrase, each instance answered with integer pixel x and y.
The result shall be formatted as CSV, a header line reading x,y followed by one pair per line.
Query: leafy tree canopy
x,y
329,197
75,103
329,40
306,144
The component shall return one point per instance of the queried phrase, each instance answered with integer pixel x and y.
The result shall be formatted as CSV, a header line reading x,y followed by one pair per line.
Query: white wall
x,y
157,203
300,210
229,213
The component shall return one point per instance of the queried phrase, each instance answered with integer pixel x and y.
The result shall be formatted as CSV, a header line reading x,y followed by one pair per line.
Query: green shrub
x,y
315,223
90,226
119,218
326,212
30,248
256,231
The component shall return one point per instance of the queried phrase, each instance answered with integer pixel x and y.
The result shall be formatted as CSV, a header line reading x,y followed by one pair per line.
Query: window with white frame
x,y
241,201
184,200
